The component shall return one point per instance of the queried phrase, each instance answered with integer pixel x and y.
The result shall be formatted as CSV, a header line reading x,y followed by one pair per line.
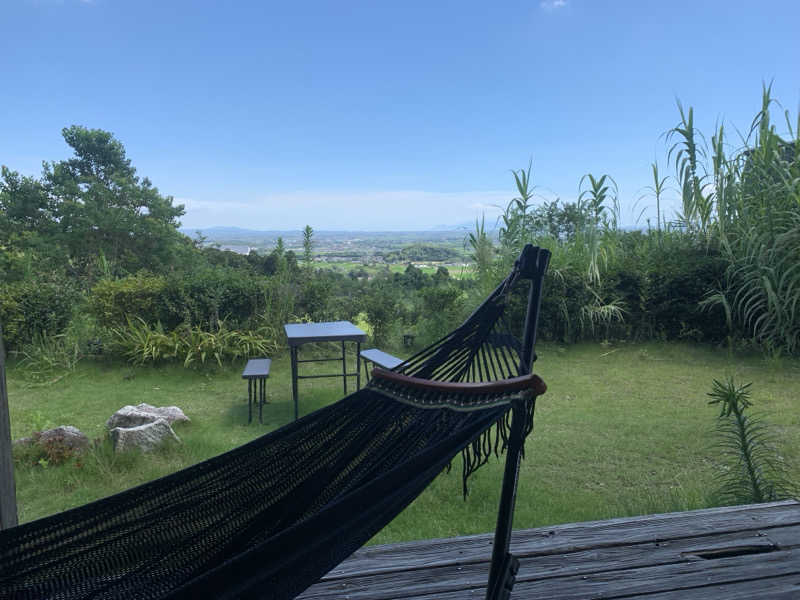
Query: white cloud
x,y
551,5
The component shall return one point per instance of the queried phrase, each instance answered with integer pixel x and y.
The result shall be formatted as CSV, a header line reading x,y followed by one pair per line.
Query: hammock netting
x,y
270,518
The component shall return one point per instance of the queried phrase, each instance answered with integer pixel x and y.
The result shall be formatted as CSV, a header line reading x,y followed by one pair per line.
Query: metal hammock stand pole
x,y
504,566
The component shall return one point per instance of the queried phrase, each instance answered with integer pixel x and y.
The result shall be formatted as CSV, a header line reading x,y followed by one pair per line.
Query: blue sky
x,y
382,115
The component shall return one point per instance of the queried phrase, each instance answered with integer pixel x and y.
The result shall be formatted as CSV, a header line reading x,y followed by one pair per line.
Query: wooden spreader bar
x,y
502,386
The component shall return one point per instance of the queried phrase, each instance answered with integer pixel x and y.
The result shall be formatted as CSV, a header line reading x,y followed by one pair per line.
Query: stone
x,y
145,437
55,445
133,416
66,436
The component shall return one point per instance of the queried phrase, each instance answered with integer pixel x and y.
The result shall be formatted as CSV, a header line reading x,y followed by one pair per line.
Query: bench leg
x,y
262,398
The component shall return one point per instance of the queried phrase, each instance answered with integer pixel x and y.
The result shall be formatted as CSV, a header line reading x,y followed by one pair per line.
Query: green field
x,y
375,268
622,430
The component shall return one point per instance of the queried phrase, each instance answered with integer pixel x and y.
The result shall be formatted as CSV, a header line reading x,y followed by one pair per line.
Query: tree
x,y
381,307
102,207
24,206
27,223
442,275
308,247
414,277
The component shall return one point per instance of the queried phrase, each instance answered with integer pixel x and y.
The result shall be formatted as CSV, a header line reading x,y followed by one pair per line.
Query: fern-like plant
x,y
753,471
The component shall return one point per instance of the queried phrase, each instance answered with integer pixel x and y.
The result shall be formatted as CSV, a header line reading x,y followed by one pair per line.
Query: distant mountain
x,y
227,232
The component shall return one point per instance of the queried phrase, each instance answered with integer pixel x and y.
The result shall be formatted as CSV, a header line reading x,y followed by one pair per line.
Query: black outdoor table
x,y
298,334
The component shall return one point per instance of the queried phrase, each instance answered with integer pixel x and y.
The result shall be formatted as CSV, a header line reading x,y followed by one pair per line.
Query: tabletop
x,y
256,368
332,331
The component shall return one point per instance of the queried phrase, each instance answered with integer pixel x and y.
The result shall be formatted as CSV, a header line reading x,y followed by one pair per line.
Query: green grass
x,y
622,430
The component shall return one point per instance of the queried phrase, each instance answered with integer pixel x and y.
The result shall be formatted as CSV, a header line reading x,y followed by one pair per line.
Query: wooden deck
x,y
734,553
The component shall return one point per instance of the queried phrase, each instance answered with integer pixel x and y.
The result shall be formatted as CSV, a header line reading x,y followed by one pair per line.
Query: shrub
x,y
47,355
210,295
197,298
32,308
679,276
142,344
114,301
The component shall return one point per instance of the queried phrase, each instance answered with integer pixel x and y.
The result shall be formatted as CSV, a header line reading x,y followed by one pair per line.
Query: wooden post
x,y
8,495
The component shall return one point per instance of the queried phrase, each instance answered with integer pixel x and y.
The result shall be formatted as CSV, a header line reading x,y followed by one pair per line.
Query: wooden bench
x,y
378,358
256,372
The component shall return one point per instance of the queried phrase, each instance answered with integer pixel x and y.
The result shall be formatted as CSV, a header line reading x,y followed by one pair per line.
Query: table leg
x,y
344,369
358,365
293,353
261,384
249,401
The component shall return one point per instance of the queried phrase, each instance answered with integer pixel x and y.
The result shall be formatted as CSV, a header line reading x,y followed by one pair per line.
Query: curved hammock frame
x,y
268,519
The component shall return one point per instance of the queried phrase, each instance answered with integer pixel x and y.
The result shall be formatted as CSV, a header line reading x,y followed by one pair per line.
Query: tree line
x,y
91,257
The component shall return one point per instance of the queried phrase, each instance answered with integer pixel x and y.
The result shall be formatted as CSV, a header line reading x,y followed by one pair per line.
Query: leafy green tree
x,y
27,226
25,206
442,310
559,221
100,206
381,307
442,275
413,277
276,260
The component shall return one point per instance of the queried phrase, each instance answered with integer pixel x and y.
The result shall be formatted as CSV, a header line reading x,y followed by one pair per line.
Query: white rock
x,y
145,437
132,416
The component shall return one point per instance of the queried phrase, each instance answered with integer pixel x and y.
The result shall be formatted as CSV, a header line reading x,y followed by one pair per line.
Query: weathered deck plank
x,y
570,537
582,563
717,551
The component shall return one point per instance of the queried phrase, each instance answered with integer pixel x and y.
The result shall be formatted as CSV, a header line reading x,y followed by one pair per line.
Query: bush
x,y
113,301
200,298
33,308
679,277
46,355
142,344
206,297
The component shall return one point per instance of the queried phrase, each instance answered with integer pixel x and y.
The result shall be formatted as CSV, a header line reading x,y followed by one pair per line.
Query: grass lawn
x,y
623,430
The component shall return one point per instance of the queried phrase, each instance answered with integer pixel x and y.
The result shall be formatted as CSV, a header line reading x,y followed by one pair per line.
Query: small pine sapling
x,y
753,471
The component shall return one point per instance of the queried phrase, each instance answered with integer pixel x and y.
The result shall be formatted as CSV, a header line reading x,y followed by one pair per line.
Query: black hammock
x,y
268,519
